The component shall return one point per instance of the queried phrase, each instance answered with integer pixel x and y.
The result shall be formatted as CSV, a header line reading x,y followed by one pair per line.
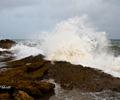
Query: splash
x,y
21,50
77,41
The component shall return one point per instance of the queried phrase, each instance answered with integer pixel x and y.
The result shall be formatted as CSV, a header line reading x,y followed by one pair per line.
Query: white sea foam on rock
x,y
76,41
21,51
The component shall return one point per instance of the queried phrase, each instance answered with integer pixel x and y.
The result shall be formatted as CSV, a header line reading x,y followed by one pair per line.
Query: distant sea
x,y
115,46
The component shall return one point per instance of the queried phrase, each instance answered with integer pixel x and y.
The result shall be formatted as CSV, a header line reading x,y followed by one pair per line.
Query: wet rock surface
x,y
4,96
21,95
29,74
6,56
85,78
7,44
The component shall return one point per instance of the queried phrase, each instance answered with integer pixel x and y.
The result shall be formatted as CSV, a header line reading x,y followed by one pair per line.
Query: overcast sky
x,y
23,18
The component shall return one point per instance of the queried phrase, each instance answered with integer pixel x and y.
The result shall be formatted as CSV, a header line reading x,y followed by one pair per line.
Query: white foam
x,y
1,49
21,51
76,41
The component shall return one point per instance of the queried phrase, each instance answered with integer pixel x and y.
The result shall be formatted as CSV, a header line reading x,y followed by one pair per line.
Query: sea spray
x,y
76,41
22,50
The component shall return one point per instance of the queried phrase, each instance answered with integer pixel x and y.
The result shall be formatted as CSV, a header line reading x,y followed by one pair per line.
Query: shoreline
x,y
29,76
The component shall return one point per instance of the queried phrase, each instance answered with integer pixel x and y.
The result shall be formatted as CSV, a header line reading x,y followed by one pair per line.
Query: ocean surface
x,y
116,46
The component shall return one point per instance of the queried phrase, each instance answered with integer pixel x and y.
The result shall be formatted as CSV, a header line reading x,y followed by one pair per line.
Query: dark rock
x,y
6,56
8,90
6,44
45,87
86,79
4,89
33,88
5,96
68,75
31,68
28,74
21,95
5,53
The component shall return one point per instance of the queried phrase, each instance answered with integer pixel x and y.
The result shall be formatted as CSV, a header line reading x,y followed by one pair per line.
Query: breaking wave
x,y
21,51
77,41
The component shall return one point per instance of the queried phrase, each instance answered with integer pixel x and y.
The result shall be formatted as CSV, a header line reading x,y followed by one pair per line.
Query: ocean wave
x,y
75,40
21,51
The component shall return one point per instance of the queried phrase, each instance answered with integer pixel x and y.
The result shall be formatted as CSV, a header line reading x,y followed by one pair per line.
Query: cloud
x,y
7,4
32,16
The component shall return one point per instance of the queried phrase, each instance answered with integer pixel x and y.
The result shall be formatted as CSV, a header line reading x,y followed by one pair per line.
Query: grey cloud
x,y
32,16
6,4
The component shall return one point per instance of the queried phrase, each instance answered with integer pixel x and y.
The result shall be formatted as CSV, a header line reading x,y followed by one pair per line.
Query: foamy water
x,y
76,41
21,51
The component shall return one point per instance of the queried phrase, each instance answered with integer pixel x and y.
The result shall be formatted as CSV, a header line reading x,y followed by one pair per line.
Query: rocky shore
x,y
25,79
27,75
6,55
7,44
